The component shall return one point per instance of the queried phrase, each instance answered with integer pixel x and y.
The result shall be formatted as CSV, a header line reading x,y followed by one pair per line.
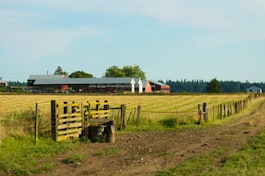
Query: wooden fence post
x,y
205,112
54,120
106,105
213,113
228,110
200,114
123,116
83,116
0,124
224,111
138,115
236,107
36,124
110,132
221,111
97,105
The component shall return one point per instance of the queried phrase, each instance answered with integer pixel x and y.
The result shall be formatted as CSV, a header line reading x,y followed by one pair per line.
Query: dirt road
x,y
146,153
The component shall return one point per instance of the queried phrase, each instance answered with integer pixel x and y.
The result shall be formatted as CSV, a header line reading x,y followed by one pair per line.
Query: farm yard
x,y
146,150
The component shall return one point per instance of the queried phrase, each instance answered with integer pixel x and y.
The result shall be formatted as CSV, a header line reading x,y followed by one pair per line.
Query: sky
x,y
168,39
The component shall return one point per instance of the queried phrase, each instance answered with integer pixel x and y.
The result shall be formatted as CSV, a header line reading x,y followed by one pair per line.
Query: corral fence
x,y
71,120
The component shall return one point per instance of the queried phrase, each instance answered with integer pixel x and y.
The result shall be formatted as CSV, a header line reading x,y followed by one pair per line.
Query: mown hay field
x,y
154,103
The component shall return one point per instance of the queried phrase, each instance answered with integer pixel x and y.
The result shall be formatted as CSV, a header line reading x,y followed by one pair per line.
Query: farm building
x,y
59,83
254,89
155,86
3,83
159,87
56,83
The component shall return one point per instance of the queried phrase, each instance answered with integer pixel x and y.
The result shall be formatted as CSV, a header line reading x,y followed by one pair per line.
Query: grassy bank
x,y
19,155
249,160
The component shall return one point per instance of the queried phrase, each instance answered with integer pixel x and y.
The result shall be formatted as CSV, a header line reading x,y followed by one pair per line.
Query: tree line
x,y
111,72
194,86
201,86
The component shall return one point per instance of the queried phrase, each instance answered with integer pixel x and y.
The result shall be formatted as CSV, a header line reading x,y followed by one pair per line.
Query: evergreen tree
x,y
214,86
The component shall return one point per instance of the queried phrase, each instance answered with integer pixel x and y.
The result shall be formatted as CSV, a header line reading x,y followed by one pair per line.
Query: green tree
x,y
80,74
114,72
127,71
214,86
59,71
134,71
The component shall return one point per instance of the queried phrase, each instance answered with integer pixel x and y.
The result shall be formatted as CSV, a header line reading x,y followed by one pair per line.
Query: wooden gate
x,y
69,119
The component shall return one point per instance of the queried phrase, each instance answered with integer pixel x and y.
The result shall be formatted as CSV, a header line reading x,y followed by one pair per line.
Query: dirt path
x,y
146,153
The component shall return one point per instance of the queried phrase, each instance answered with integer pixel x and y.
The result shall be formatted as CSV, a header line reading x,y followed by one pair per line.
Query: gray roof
x,y
253,88
84,81
36,77
157,83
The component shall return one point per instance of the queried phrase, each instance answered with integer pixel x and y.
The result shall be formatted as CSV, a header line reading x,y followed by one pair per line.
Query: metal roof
x,y
36,77
158,83
85,81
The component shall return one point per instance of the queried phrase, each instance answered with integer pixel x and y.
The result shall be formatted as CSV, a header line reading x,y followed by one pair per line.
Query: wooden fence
x,y
70,119
228,109
224,110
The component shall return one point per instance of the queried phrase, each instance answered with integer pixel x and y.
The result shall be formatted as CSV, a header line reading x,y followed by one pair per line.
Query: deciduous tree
x,y
59,71
127,71
80,74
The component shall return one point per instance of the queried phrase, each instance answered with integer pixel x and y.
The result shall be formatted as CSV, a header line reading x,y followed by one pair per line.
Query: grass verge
x,y
249,160
19,155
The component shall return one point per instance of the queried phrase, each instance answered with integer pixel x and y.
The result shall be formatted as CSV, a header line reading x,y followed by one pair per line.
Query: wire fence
x,y
36,121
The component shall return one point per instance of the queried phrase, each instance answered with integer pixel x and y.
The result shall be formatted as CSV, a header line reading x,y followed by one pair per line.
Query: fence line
x,y
39,126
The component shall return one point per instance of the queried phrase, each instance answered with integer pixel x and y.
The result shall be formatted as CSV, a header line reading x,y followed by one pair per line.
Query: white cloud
x,y
227,21
33,45
25,43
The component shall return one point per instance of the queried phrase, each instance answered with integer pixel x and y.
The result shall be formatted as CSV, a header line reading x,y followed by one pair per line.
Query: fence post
x,y
106,105
228,110
213,113
36,124
236,107
110,132
123,116
83,116
224,111
97,105
205,112
138,115
0,124
221,111
200,113
54,120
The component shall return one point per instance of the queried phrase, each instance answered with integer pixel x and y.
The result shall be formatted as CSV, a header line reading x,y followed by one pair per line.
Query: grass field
x,y
15,138
153,107
159,103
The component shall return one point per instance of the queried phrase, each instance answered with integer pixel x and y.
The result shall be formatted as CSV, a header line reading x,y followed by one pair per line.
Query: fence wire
x,y
17,123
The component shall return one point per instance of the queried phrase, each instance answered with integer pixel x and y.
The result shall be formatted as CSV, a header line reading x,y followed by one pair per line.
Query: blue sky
x,y
168,39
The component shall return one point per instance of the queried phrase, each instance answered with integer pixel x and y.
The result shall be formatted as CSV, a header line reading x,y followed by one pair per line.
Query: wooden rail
x,y
69,119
